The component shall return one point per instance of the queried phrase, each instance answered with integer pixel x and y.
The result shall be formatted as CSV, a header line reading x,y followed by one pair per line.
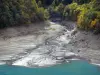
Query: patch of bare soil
x,y
87,45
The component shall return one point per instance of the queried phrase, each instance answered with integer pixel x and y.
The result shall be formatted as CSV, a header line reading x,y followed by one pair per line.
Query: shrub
x,y
93,23
84,18
70,11
42,14
87,17
82,1
60,8
40,3
46,14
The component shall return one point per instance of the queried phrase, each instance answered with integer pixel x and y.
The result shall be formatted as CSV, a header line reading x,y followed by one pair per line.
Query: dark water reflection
x,y
73,68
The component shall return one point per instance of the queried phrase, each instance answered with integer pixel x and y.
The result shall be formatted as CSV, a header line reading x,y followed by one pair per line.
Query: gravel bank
x,y
87,45
47,44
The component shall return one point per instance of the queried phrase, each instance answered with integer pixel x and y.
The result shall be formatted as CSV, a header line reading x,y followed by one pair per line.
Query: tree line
x,y
16,12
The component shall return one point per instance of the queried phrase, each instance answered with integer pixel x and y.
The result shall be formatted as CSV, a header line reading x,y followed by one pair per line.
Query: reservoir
x,y
72,68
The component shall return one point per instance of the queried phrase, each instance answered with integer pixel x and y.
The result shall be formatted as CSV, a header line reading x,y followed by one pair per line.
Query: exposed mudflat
x,y
47,43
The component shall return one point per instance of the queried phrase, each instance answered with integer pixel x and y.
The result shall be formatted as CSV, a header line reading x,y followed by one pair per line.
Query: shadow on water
x,y
72,68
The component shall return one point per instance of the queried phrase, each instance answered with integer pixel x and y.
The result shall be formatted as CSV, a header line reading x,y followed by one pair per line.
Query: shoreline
x,y
73,41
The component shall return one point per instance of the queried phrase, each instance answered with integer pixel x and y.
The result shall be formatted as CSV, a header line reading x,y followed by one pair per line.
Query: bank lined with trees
x,y
17,12
85,12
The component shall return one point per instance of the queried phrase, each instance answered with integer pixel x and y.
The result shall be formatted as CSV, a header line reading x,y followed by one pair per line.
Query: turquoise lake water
x,y
73,68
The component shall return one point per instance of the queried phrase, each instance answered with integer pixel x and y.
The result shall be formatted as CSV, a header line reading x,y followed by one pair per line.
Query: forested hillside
x,y
85,12
17,12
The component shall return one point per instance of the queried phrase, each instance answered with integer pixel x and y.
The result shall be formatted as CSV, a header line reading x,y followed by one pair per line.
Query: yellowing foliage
x,y
80,20
87,15
93,23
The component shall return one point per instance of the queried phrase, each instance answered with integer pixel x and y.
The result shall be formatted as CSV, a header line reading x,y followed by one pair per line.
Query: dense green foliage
x,y
14,12
82,1
88,15
85,12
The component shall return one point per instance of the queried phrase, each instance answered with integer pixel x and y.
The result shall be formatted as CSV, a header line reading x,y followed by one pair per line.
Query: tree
x,y
39,3
55,3
14,12
82,1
